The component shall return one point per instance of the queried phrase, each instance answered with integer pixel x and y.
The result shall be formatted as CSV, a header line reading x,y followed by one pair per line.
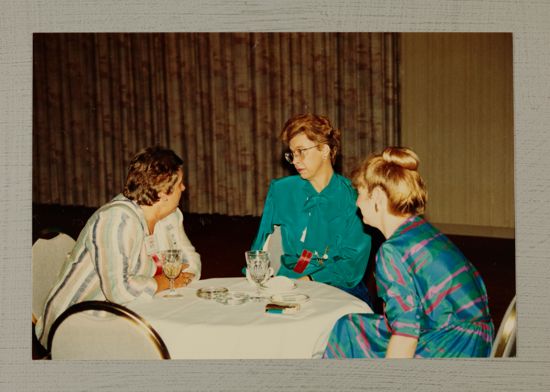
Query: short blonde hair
x,y
316,127
395,171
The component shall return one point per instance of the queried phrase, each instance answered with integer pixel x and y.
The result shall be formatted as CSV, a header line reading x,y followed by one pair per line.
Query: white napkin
x,y
279,284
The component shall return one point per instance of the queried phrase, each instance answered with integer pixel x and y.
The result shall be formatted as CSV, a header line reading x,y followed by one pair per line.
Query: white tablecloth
x,y
195,328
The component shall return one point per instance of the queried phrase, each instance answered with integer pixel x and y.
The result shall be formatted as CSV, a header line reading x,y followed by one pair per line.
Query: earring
x,y
375,207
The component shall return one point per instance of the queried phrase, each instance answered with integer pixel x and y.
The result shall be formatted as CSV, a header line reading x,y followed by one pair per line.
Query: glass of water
x,y
259,270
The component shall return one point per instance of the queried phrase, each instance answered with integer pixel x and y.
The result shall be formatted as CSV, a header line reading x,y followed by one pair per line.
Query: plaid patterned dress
x,y
431,292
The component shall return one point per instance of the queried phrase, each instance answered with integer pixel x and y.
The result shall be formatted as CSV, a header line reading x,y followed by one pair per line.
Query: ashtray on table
x,y
211,292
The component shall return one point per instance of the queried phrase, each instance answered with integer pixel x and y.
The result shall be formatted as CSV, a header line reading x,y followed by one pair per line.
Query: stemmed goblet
x,y
258,267
171,266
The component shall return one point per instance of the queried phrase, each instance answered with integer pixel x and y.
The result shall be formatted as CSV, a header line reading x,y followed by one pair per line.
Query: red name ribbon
x,y
303,261
158,263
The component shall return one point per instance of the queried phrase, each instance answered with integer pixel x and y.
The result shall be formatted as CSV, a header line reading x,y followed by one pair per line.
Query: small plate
x,y
233,298
289,298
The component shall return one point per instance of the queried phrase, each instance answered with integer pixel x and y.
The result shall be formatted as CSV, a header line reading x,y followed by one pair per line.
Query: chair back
x,y
274,246
104,330
48,255
504,344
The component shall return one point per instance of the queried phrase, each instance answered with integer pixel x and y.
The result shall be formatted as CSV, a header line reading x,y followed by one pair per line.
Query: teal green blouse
x,y
325,223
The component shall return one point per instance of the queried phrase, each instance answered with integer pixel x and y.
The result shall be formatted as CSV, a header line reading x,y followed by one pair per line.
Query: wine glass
x,y
257,262
171,266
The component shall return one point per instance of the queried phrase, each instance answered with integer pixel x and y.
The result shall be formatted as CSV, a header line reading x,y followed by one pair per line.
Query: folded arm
x,y
115,251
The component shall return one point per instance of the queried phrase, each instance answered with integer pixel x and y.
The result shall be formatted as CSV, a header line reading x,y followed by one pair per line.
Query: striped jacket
x,y
110,260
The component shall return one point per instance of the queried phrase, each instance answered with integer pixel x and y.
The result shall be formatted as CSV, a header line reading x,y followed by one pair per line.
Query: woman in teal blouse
x,y
322,234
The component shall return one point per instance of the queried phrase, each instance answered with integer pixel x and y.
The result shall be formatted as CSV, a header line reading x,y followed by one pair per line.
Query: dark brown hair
x,y
317,128
152,170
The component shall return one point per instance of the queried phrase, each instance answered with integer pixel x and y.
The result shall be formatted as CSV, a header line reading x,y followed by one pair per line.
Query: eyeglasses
x,y
298,153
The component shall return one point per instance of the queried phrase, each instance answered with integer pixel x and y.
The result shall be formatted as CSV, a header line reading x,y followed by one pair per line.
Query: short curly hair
x,y
152,170
316,127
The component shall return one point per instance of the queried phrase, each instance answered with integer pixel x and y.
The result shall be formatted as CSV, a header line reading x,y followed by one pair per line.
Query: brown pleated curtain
x,y
218,99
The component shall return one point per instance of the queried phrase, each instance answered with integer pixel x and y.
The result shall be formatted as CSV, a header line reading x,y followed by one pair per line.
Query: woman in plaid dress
x,y
435,302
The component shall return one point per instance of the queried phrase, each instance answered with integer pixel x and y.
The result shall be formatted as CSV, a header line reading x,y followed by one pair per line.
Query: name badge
x,y
150,245
172,234
303,261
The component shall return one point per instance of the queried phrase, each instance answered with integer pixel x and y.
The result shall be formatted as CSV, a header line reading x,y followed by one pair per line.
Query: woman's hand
x,y
401,347
183,279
